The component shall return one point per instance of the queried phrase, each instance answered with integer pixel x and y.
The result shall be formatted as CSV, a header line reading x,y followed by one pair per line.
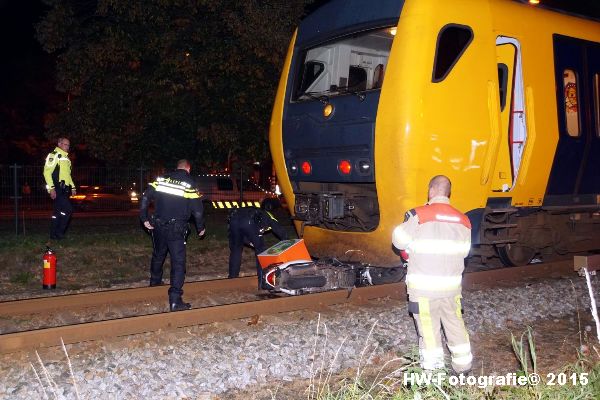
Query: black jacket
x,y
175,197
261,219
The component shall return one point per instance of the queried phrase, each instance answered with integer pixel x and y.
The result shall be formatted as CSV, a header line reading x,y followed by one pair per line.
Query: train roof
x,y
587,9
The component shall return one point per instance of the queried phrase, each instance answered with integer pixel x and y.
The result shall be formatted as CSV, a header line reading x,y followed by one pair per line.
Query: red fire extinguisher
x,y
49,278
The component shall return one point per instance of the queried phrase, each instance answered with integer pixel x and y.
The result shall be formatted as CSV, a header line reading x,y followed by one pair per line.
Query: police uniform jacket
x,y
57,169
262,220
437,238
176,199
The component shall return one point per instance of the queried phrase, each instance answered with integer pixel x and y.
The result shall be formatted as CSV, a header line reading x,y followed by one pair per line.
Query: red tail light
x,y
306,168
345,167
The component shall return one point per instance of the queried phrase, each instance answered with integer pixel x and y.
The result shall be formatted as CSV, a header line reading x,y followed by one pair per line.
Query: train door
x,y
574,176
590,179
512,115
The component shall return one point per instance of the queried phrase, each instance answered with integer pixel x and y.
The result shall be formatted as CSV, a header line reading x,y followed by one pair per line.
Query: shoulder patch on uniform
x,y
410,213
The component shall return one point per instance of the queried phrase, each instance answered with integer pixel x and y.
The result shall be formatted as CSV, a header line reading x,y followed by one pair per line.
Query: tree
x,y
150,81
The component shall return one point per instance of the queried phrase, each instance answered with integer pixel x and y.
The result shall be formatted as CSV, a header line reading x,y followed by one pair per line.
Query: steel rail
x,y
105,297
147,323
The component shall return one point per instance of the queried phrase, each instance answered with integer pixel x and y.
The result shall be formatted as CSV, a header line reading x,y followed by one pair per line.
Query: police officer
x,y
60,186
437,238
247,225
175,199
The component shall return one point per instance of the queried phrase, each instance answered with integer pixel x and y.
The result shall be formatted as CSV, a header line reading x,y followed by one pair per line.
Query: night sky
x,y
27,92
26,79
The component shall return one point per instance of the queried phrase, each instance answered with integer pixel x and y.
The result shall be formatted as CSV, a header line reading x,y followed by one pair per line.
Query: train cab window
x,y
343,66
571,97
452,42
597,102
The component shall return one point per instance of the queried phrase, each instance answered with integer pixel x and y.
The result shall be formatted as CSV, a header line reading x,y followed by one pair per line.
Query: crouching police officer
x,y
247,225
175,199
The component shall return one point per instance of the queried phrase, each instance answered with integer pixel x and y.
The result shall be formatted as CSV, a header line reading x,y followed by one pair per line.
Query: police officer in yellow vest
x,y
437,238
176,199
60,186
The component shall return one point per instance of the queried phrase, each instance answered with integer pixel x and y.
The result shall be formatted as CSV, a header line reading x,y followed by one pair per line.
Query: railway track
x,y
80,332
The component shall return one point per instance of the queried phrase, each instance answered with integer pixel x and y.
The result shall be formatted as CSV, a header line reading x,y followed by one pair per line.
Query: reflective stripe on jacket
x,y
437,238
175,187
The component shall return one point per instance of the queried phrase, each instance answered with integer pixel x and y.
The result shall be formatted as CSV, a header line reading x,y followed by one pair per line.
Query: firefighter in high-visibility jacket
x,y
60,186
175,199
437,238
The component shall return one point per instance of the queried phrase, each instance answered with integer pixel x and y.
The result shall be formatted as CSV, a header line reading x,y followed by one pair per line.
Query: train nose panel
x,y
338,148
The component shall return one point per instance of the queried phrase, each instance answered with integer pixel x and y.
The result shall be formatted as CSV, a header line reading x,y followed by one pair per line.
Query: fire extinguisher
x,y
49,277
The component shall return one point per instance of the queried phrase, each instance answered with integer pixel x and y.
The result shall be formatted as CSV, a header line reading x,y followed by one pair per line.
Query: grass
x,y
102,252
22,278
579,380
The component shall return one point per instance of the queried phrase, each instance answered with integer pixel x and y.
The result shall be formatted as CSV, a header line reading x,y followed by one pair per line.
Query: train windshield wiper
x,y
317,96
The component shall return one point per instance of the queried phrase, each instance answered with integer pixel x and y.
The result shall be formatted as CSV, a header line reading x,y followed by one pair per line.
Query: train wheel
x,y
513,255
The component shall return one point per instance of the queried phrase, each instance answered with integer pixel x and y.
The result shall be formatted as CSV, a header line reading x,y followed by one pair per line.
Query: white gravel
x,y
206,361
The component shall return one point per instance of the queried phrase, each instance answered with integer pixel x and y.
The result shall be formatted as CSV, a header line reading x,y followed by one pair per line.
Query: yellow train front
x,y
502,97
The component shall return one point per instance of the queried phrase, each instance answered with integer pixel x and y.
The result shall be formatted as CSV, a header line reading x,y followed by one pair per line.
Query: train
x,y
375,98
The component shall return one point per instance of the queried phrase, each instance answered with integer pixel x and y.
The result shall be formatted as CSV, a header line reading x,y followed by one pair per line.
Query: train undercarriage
x,y
518,236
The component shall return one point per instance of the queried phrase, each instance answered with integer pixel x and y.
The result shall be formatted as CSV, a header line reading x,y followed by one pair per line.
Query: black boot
x,y
179,305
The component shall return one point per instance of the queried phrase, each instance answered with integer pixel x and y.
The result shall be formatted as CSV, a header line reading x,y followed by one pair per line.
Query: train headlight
x,y
293,168
327,110
364,167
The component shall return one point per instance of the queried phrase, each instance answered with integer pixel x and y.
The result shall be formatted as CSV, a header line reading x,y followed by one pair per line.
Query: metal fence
x,y
23,194
24,200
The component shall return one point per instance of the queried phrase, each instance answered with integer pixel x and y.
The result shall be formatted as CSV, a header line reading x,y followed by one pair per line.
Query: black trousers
x,y
169,238
61,214
241,232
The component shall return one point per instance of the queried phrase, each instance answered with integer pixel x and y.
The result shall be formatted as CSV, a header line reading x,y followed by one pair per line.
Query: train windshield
x,y
349,65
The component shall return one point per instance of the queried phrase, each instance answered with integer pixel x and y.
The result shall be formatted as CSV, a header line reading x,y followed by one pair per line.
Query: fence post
x,y
16,196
